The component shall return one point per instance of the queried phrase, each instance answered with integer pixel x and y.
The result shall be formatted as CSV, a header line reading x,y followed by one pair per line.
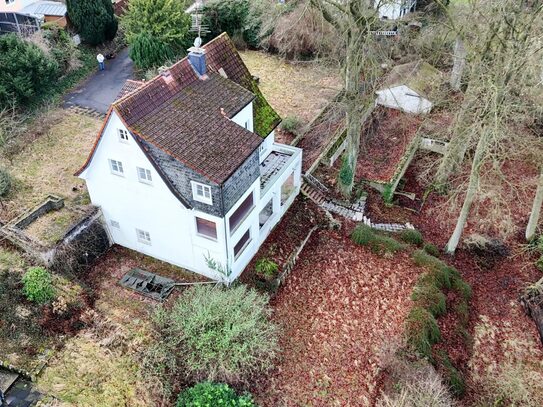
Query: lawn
x,y
300,89
57,145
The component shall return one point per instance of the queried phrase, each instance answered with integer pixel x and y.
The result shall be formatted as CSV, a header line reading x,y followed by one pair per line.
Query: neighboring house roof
x,y
45,8
419,76
188,117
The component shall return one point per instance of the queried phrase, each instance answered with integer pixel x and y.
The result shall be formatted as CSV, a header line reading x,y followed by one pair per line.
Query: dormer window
x,y
123,135
201,193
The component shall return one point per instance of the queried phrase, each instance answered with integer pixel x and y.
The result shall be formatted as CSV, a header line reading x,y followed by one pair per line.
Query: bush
x,y
94,19
346,172
412,236
5,183
422,331
423,259
266,267
213,334
26,71
539,264
461,287
213,395
292,124
438,277
363,235
37,285
148,52
164,20
385,244
430,298
62,48
431,249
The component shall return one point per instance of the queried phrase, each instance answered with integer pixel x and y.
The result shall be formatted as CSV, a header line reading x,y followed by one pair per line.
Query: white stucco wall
x,y
245,117
152,208
15,6
393,9
403,98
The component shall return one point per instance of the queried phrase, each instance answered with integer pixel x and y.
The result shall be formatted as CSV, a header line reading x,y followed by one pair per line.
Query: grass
x,y
381,244
422,331
46,165
431,249
452,376
429,297
412,236
293,89
51,227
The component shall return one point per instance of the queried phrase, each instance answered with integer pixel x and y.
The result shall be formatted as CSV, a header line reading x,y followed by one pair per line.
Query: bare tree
x,y
353,21
536,209
496,88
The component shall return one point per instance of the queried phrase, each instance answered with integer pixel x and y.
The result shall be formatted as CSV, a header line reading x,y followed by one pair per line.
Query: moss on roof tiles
x,y
265,118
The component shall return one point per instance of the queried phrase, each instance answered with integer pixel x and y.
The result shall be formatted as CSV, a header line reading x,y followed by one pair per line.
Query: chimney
x,y
197,57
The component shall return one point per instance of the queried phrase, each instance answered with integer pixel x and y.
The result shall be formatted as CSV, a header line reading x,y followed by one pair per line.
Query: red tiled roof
x,y
188,117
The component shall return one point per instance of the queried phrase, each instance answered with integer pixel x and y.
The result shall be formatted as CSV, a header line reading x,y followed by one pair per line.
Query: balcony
x,y
275,164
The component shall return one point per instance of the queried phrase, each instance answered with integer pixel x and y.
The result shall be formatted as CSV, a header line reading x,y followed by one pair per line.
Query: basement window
x,y
144,175
242,244
206,228
143,236
201,193
116,167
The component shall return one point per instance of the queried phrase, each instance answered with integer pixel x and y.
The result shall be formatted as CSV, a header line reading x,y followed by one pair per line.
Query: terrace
x,y
276,164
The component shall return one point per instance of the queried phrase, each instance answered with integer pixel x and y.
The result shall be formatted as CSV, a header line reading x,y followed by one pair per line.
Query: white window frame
x,y
147,179
244,246
143,236
123,135
196,187
120,169
115,224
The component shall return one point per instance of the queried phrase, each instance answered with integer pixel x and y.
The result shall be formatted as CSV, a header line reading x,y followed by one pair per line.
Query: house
x,y
408,87
394,9
186,167
26,16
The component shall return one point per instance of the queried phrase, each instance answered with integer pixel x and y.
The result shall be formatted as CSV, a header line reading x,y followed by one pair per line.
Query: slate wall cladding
x,y
181,176
241,180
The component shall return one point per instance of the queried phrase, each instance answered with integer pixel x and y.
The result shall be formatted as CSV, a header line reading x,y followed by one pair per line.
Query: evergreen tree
x,y
94,19
164,20
26,70
147,51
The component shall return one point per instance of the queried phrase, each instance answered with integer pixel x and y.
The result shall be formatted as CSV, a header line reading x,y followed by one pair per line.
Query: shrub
x,y
346,172
37,285
148,52
164,20
62,48
438,277
423,259
213,334
291,124
363,235
539,264
5,183
422,331
385,244
94,19
412,236
461,287
430,298
431,249
208,394
452,376
266,267
26,71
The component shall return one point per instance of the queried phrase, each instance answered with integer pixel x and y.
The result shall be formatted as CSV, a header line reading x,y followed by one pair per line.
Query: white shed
x,y
407,87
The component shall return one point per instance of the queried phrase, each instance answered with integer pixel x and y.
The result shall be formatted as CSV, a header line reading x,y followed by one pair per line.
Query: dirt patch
x,y
339,306
51,227
46,166
300,89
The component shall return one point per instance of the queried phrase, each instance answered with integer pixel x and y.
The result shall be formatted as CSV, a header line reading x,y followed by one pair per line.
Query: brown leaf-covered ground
x,y
338,307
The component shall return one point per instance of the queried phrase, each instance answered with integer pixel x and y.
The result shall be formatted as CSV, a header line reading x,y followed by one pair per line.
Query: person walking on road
x,y
101,65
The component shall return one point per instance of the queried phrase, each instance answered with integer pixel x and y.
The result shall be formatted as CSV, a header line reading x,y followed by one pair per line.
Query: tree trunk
x,y
470,194
536,209
459,64
353,112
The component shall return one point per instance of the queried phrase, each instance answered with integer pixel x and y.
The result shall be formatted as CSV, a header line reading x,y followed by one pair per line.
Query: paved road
x,y
100,90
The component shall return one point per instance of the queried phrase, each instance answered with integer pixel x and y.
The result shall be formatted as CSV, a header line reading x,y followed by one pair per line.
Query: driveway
x,y
100,90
